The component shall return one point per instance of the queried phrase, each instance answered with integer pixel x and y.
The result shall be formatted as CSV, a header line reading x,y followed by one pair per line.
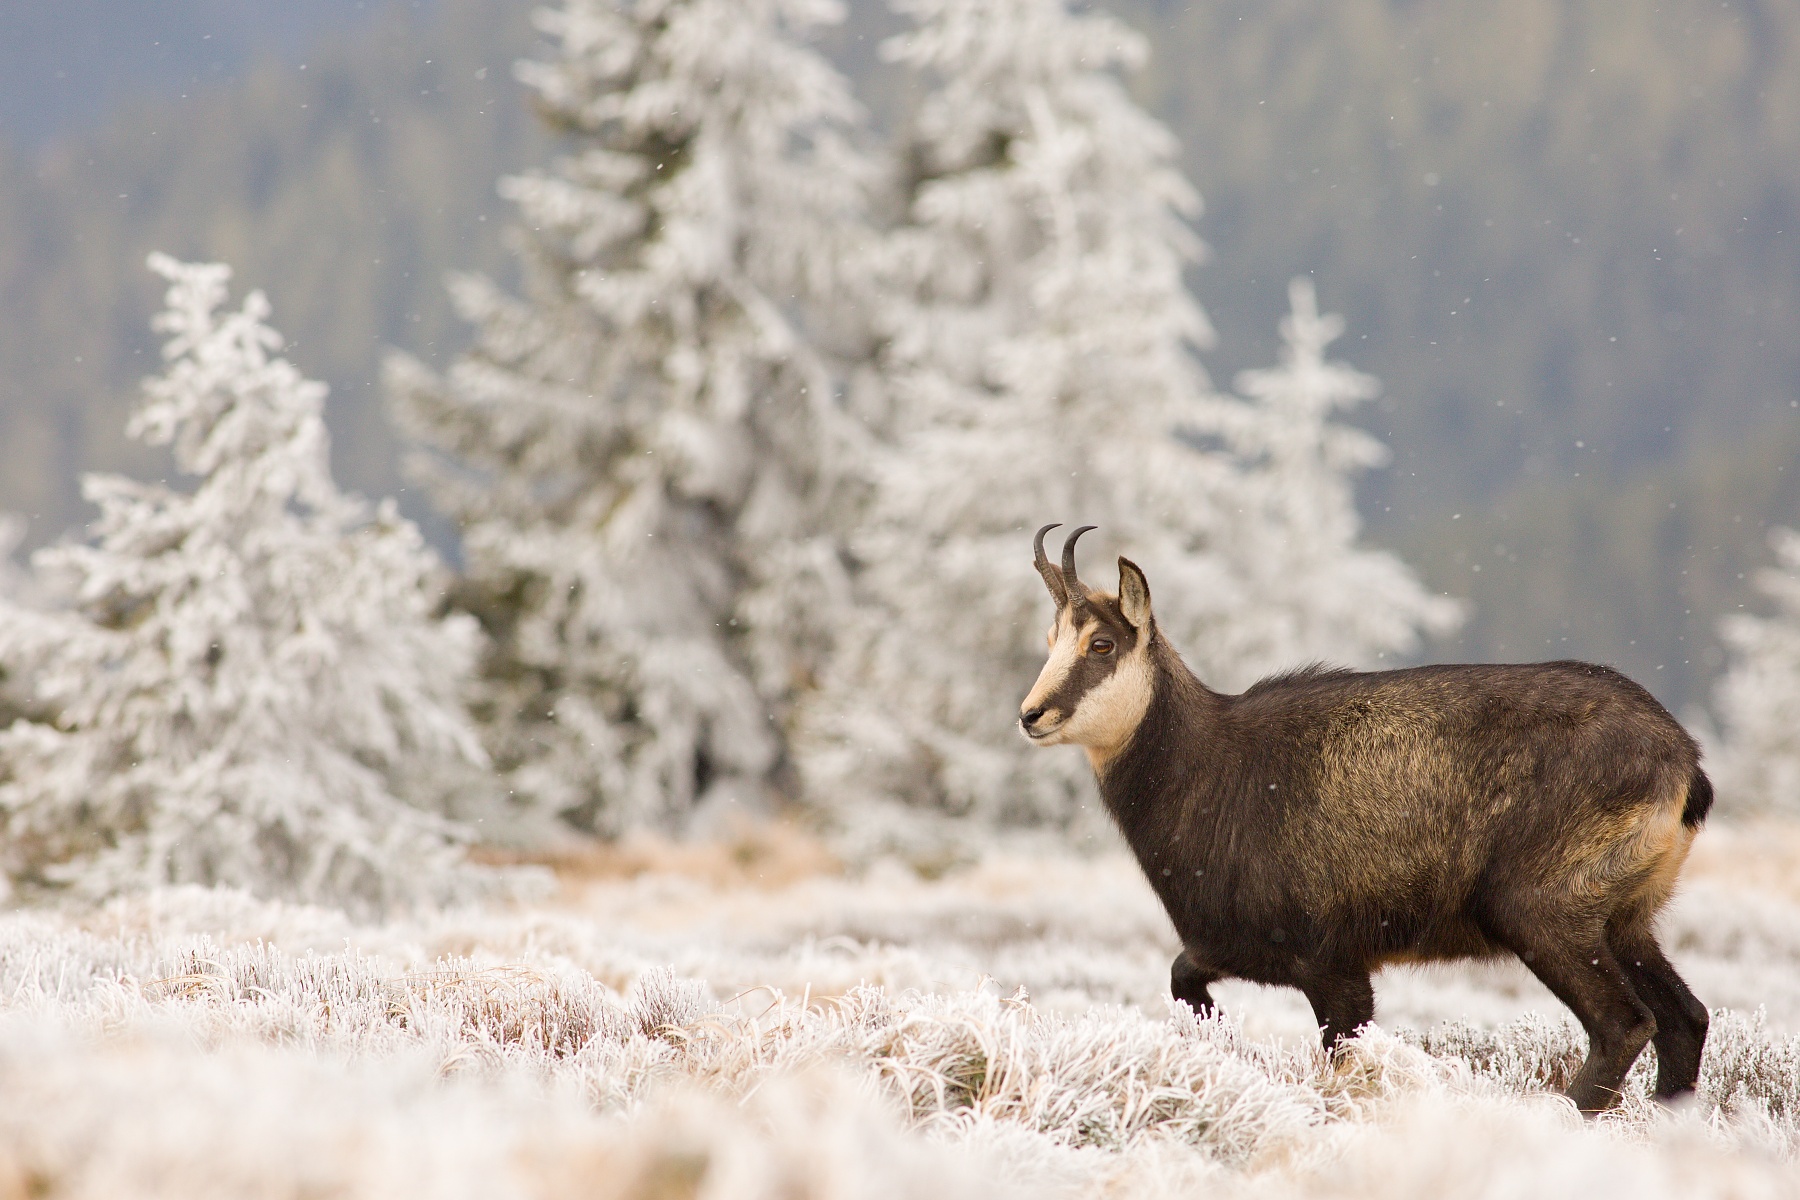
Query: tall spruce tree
x,y
1038,355
644,451
248,685
1294,534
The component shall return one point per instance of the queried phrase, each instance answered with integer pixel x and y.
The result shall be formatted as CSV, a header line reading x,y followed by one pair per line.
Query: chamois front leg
x,y
1189,981
1342,1003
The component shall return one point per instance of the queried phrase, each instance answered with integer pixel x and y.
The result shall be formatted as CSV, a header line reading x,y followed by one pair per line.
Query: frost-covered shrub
x,y
1539,1052
644,451
249,686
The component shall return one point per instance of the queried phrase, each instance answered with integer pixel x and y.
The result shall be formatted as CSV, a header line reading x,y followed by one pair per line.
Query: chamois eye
x,y
1101,646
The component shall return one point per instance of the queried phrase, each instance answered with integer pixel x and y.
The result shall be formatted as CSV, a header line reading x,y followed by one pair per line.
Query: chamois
x,y
1327,822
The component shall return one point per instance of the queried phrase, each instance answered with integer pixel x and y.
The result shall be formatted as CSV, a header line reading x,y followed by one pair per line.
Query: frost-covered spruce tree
x,y
1758,700
643,450
1038,356
249,687
1319,594
1039,353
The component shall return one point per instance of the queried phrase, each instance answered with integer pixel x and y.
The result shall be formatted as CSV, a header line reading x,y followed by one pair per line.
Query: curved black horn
x,y
1058,591
1068,562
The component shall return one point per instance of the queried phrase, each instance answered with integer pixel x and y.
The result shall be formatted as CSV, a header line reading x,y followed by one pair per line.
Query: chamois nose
x,y
1030,719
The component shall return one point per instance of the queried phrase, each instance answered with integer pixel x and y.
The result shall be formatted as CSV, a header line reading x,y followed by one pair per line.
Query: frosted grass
x,y
677,1031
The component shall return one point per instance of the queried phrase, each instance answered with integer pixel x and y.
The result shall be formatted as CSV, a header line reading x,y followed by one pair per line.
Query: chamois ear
x,y
1134,594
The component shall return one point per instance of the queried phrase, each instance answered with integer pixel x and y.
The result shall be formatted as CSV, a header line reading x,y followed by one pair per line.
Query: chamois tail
x,y
1699,800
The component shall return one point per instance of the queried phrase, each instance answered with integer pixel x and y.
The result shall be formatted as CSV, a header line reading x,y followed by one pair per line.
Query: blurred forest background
x,y
1566,235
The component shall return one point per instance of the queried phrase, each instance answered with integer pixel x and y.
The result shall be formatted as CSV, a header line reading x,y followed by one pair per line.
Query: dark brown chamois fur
x,y
1327,822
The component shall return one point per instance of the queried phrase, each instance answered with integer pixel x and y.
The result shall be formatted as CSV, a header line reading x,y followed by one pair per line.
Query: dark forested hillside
x,y
1566,234
69,64
345,187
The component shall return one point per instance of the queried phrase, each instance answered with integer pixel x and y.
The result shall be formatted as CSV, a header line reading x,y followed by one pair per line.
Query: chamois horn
x,y
1077,589
1059,592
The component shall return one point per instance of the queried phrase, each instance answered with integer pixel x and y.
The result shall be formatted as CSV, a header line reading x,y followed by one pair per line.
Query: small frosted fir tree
x,y
1758,700
644,452
1039,356
249,687
1319,594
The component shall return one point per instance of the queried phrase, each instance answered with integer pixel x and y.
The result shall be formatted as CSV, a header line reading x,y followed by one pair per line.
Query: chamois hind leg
x,y
1190,982
1681,1018
1585,976
1342,1003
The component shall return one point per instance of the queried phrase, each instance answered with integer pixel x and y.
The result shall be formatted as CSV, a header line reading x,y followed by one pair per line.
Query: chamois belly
x,y
1287,949
1367,911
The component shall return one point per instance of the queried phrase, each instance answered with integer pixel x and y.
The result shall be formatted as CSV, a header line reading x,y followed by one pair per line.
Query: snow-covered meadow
x,y
743,482
742,1018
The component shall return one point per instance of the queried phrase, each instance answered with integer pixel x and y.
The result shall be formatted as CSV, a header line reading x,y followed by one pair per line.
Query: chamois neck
x,y
1184,719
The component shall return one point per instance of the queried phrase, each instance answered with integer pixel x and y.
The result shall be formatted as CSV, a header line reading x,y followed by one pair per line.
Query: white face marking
x,y
1104,717
1065,652
1108,715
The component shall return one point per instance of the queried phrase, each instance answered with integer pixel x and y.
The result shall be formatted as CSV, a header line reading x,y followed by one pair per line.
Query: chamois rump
x,y
1327,822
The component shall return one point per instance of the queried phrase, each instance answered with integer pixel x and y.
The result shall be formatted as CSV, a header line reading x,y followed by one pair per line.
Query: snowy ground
x,y
744,1021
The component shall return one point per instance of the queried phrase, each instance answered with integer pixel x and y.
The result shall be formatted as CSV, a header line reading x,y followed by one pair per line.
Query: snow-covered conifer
x,y
1039,357
643,451
1319,594
1758,700
248,686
